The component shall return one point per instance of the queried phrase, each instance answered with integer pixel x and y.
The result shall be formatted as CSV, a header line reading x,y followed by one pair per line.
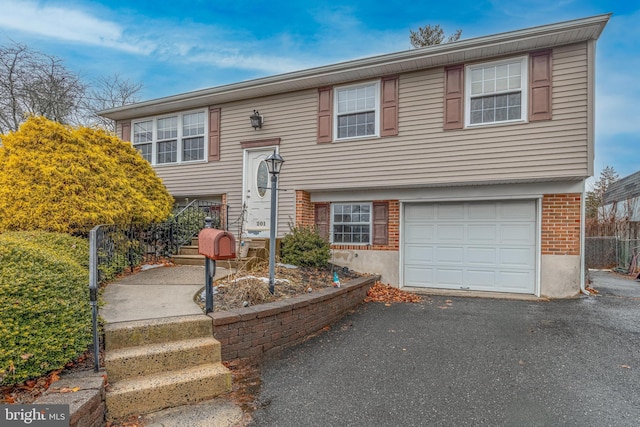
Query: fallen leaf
x,y
26,356
521,362
388,294
625,366
443,307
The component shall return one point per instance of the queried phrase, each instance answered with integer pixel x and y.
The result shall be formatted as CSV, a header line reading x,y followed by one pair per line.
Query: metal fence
x,y
612,252
116,248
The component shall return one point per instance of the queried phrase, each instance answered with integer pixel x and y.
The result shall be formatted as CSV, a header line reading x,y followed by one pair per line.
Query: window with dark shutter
x,y
380,223
453,97
389,123
325,111
321,219
214,134
540,86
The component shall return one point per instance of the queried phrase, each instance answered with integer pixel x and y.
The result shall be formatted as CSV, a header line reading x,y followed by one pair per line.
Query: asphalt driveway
x,y
466,361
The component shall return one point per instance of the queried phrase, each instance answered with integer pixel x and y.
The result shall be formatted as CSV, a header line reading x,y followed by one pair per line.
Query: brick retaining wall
x,y
254,331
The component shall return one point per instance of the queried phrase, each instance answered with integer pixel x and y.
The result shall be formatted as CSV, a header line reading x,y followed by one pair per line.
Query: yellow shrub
x,y
57,178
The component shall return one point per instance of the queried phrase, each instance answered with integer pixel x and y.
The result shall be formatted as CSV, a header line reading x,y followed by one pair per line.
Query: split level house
x,y
457,166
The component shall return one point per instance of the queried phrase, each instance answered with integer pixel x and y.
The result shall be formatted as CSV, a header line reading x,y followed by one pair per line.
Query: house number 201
x,y
261,223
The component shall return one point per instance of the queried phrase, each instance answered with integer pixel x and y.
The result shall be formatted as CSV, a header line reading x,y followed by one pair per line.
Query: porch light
x,y
274,164
256,120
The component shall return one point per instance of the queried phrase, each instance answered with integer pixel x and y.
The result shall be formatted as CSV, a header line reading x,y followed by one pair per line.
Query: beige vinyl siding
x,y
422,154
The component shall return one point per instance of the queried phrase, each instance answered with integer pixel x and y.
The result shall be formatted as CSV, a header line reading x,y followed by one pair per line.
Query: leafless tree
x,y
32,82
108,92
431,35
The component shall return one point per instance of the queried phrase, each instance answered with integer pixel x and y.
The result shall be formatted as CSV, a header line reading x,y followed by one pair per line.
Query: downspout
x,y
583,278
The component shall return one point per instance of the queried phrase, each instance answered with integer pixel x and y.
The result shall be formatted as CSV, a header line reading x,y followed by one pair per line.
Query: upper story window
x,y
356,111
496,92
172,139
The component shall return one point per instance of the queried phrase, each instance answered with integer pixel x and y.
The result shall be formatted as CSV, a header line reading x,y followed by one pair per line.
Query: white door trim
x,y
264,229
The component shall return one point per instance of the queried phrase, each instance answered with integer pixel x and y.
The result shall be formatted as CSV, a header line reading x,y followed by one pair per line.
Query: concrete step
x,y
154,331
151,359
169,389
188,259
189,250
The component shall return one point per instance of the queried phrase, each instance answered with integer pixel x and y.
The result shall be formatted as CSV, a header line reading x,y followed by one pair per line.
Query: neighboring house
x,y
456,166
623,198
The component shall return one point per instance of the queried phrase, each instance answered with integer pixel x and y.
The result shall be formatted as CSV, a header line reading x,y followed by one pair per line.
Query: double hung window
x,y
356,111
171,139
351,223
496,92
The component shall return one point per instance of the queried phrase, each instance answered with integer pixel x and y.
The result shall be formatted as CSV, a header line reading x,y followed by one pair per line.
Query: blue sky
x,y
180,46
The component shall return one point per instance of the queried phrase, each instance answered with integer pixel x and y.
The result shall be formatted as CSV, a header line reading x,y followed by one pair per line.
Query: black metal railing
x,y
116,248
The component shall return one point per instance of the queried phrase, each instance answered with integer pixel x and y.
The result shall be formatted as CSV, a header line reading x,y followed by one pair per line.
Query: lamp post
x,y
274,164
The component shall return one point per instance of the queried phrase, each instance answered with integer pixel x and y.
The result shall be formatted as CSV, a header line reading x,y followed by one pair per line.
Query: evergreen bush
x,y
45,315
305,247
58,178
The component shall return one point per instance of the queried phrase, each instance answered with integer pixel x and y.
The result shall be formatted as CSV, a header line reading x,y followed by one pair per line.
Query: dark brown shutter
x,y
540,86
325,111
126,131
380,223
214,134
454,97
321,218
389,104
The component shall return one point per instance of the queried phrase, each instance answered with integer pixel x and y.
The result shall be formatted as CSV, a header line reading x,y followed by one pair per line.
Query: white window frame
x,y
376,109
180,137
524,90
332,223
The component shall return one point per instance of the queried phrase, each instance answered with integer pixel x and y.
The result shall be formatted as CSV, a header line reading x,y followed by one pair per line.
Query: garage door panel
x,y
418,276
420,213
515,281
476,278
487,256
450,233
522,234
488,246
450,276
450,211
516,257
419,254
449,254
421,233
482,233
482,211
520,209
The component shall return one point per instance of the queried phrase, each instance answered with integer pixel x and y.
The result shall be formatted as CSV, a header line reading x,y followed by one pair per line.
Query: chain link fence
x,y
612,252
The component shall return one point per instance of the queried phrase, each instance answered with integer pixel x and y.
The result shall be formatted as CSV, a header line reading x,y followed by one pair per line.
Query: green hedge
x,y
45,316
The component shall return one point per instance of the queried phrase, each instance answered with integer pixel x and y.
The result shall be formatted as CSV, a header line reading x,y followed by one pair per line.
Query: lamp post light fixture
x,y
274,164
256,120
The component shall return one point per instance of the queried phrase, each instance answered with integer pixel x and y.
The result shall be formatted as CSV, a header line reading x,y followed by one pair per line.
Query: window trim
x,y
332,224
524,91
376,110
179,139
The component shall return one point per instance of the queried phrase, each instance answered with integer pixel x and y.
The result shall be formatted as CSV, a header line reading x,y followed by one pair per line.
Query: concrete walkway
x,y
168,292
155,293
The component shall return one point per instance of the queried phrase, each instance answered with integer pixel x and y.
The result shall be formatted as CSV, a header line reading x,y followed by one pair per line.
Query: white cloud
x,y
65,24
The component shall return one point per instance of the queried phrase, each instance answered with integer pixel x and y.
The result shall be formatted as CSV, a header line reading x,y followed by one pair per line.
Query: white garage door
x,y
478,246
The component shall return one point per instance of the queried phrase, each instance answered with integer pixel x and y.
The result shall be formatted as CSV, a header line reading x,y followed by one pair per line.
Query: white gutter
x,y
583,278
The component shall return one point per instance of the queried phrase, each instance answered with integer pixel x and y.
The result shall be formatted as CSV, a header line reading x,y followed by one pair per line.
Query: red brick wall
x,y
304,209
561,224
254,331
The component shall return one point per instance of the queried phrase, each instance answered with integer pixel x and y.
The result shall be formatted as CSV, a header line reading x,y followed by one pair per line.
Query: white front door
x,y
257,193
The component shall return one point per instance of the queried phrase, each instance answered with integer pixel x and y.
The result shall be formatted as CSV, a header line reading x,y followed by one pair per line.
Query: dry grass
x,y
247,287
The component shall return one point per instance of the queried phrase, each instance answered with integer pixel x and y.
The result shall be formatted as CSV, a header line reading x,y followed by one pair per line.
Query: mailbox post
x,y
213,244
